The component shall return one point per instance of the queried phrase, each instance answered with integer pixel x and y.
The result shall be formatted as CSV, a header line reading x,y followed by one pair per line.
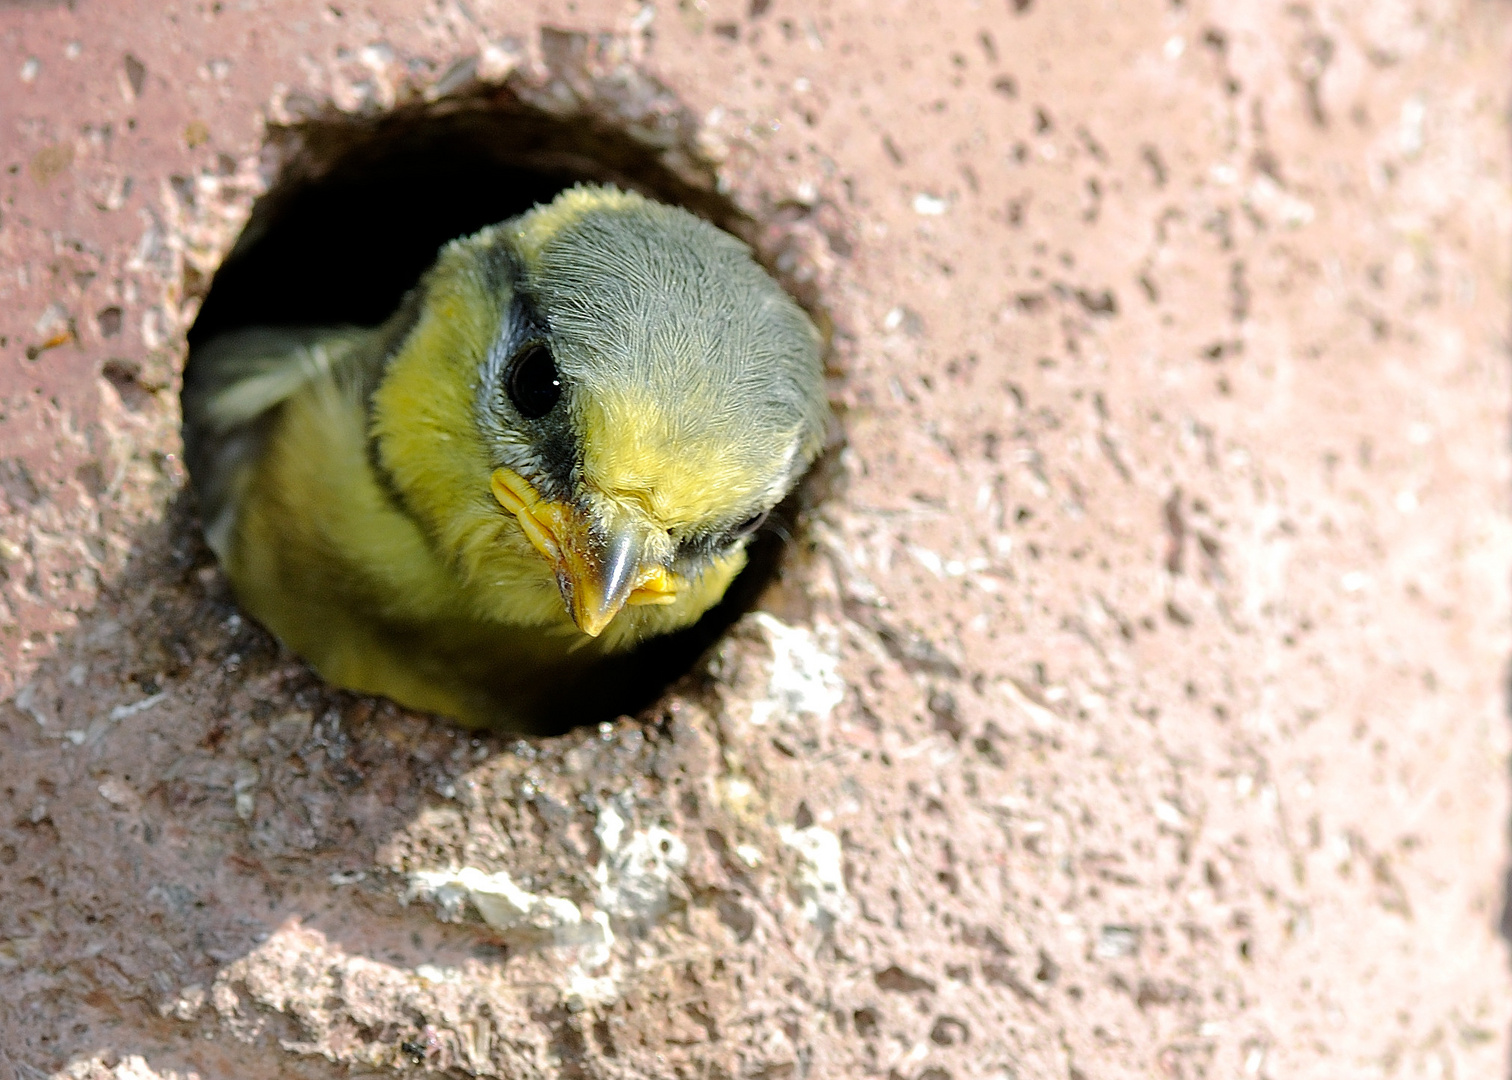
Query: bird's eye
x,y
748,526
534,385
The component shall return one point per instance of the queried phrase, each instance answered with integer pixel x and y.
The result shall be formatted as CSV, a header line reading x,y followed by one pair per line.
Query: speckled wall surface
x,y
1134,707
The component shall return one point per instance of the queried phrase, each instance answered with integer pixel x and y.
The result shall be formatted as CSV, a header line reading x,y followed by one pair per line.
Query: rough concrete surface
x,y
1133,706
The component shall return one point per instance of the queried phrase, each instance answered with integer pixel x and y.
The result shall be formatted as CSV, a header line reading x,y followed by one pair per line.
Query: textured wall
x,y
1134,708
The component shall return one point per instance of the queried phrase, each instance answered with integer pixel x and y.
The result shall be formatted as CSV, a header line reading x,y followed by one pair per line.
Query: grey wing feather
x,y
233,385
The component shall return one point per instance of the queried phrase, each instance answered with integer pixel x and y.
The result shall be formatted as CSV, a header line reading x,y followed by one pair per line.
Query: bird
x,y
556,448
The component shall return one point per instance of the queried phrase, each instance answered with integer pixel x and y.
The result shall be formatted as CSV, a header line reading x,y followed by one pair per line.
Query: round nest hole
x,y
358,212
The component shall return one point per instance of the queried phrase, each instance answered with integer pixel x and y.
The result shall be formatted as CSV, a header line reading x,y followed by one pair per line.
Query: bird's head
x,y
638,394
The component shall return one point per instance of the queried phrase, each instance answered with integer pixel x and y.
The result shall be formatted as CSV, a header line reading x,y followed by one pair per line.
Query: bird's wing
x,y
232,386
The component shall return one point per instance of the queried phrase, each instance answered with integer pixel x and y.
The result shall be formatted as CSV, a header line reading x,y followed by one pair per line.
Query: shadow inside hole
x,y
359,212
363,205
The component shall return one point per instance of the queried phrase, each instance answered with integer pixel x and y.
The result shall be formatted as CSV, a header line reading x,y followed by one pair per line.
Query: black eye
x,y
534,385
748,526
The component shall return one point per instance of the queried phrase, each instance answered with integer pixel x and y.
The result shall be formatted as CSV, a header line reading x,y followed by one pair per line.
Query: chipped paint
x,y
636,872
635,879
805,676
820,879
515,912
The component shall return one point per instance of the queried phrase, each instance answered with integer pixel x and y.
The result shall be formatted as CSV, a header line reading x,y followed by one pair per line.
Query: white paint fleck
x,y
962,567
1355,581
929,205
379,54
1266,198
1045,718
53,320
26,700
117,792
584,990
1410,136
155,327
433,973
131,1067
509,909
929,560
635,878
244,788
190,1000
1295,212
821,874
805,678
498,60
738,791
610,828
121,712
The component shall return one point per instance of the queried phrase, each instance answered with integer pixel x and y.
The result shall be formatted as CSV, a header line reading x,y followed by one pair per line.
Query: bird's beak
x,y
600,565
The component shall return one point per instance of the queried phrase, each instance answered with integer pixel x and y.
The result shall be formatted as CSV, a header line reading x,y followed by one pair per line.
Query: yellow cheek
x,y
637,455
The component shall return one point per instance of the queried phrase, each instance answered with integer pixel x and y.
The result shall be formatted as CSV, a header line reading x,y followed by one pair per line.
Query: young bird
x,y
557,447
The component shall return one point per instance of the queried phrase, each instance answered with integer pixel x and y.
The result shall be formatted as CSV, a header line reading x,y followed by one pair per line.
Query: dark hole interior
x,y
359,212
362,206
